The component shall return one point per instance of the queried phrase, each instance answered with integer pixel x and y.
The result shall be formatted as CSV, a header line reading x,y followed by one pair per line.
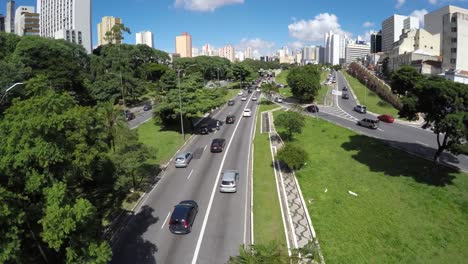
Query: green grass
x,y
371,100
401,213
320,99
166,142
231,94
268,224
281,78
286,92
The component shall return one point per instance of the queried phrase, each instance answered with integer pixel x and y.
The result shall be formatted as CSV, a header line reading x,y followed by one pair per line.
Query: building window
x,y
453,61
454,29
454,19
454,40
454,50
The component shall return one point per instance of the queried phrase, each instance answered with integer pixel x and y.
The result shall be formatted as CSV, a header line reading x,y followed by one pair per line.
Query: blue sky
x,y
266,25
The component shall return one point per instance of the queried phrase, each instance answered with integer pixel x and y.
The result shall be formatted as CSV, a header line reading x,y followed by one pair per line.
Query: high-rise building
x,y
320,54
228,52
66,19
184,45
376,42
10,17
145,37
450,25
26,21
308,53
2,23
332,48
195,52
248,53
105,26
206,50
356,50
392,28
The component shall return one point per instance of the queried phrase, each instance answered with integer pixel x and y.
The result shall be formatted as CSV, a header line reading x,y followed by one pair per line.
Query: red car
x,y
386,118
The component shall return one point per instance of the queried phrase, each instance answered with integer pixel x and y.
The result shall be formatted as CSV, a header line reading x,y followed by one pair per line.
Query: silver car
x,y
183,159
229,181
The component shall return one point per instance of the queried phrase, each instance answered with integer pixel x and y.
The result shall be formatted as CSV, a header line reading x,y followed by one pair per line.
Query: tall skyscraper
x,y
105,26
10,17
376,42
145,37
392,28
228,52
2,23
26,21
332,48
184,45
66,19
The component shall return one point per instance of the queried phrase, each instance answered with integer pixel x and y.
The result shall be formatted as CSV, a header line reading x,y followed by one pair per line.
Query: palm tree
x,y
113,120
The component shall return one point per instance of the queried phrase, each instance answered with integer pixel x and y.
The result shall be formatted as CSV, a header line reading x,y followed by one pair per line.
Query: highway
x,y
223,220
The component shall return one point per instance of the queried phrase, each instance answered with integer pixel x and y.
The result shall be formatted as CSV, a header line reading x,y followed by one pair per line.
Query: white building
x,y
332,48
195,52
26,21
228,52
356,50
146,38
248,53
61,17
10,17
392,28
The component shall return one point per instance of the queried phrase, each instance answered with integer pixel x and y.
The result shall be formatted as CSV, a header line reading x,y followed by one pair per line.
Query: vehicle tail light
x,y
185,223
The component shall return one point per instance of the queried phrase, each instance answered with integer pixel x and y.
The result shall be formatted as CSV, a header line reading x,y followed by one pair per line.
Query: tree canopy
x,y
304,82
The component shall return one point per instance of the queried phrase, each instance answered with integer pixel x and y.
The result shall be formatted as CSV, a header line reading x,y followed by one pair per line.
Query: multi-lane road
x,y
223,220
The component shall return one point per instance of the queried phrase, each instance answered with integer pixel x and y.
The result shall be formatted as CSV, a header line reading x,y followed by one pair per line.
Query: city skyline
x,y
263,25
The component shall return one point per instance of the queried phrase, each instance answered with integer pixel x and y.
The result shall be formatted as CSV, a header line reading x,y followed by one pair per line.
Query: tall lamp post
x,y
180,100
365,90
8,89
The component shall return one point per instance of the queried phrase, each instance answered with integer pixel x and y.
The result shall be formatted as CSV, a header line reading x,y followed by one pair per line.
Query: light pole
x,y
8,89
122,90
180,100
365,91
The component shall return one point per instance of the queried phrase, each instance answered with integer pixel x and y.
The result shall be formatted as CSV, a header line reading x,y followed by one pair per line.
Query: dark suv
x,y
129,115
204,129
183,216
217,145
230,119
231,102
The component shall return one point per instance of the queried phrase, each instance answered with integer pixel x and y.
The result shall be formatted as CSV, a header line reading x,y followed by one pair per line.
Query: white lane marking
x,y
424,144
249,164
205,148
164,223
215,186
188,177
380,129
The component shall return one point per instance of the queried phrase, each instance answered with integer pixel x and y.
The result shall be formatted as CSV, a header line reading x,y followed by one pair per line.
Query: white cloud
x,y
368,24
295,45
315,29
434,2
420,15
400,3
205,5
258,45
367,35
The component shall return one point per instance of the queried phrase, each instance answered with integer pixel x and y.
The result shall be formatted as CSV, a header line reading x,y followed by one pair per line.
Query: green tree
x,y
405,79
241,72
116,33
293,156
304,82
292,122
269,90
270,253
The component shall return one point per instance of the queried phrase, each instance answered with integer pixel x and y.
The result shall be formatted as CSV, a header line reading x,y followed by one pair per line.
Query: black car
x,y
312,109
250,91
183,216
230,119
217,145
147,107
129,115
345,96
231,102
344,88
204,129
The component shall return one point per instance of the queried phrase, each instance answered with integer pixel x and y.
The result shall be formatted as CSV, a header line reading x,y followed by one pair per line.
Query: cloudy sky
x,y
265,25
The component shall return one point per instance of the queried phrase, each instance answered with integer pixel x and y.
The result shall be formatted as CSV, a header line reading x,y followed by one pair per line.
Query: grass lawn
x,y
268,224
320,99
231,94
286,92
166,142
401,214
281,78
371,100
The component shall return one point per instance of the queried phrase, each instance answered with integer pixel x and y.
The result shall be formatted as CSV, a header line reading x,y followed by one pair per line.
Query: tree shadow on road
x,y
397,163
131,247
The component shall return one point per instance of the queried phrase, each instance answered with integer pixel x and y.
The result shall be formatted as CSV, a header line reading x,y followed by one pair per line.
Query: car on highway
x,y
250,90
217,145
147,107
204,129
345,96
360,109
229,180
230,119
244,98
231,102
183,159
369,123
254,98
247,113
183,216
129,115
312,109
386,118
278,99
344,88
240,93
258,90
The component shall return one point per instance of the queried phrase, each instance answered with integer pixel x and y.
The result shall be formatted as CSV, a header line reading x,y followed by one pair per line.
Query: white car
x,y
278,99
258,90
254,98
244,98
247,113
240,93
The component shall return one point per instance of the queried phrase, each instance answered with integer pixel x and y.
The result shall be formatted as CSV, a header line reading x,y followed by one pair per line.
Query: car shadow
x,y
396,163
131,247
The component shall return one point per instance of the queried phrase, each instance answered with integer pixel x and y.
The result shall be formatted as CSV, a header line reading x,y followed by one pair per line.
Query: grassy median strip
x,y
401,213
282,77
268,224
368,98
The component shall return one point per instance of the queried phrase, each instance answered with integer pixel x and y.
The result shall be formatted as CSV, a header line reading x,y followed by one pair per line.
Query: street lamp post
x,y
365,91
180,100
8,89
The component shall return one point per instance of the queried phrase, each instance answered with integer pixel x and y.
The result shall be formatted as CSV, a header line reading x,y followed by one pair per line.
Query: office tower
x,y
26,21
332,48
10,17
356,50
66,19
376,42
105,26
184,45
145,37
392,28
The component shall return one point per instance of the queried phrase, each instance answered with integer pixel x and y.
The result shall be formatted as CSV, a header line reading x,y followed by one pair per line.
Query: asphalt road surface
x,y
223,220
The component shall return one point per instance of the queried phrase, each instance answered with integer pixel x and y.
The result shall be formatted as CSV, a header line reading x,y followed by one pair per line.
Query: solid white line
x,y
205,147
249,164
164,223
189,175
210,203
380,129
424,144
